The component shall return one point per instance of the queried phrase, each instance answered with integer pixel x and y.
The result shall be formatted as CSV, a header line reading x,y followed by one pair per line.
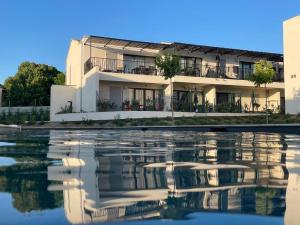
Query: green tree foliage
x,y
169,64
59,79
31,85
28,183
263,73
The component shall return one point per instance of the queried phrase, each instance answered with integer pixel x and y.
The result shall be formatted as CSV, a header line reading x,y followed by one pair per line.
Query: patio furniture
x,y
141,107
120,70
151,70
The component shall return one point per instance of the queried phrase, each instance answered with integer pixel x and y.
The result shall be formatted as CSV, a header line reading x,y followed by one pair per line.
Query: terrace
x,y
190,66
145,67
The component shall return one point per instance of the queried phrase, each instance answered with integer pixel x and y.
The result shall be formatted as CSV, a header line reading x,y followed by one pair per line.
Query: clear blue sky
x,y
40,30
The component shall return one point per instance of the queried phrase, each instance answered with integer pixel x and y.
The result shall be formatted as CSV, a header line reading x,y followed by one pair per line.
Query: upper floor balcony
x,y
148,67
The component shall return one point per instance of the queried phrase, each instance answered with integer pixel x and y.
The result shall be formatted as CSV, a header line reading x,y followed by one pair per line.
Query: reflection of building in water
x,y
292,216
132,175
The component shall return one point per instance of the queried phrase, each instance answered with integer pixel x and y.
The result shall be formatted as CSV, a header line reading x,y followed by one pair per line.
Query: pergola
x,y
190,48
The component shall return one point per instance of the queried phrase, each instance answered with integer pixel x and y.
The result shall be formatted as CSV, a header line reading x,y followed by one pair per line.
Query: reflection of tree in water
x,y
28,185
270,202
27,180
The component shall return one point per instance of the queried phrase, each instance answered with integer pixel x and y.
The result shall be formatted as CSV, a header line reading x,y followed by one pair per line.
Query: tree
x,y
31,85
59,79
263,75
170,65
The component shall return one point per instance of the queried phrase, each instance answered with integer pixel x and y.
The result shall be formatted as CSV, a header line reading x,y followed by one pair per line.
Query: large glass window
x,y
246,69
130,94
139,96
190,66
188,101
147,99
228,102
139,64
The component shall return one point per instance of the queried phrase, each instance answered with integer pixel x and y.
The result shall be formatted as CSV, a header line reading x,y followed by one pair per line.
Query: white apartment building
x,y
109,78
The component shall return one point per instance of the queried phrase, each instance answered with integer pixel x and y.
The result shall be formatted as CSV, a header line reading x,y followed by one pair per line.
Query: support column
x,y
274,100
210,94
167,98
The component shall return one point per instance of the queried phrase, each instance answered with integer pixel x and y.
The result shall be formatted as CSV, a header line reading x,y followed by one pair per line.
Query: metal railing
x,y
149,68
121,66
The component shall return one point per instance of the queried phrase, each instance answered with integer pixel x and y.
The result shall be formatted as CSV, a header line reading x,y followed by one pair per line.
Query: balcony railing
x,y
149,68
121,66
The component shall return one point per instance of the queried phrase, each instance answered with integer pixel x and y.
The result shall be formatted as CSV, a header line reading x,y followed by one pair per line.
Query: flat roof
x,y
184,46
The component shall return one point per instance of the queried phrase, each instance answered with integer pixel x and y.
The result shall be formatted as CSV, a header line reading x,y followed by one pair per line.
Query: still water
x,y
149,177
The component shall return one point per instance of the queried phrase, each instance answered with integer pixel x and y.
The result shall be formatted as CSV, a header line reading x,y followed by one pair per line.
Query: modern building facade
x,y
291,33
120,76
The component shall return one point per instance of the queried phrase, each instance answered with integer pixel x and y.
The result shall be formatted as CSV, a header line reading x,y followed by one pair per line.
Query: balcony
x,y
121,66
149,68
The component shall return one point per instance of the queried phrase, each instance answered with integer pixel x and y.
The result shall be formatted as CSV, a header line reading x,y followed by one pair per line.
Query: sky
x,y
40,30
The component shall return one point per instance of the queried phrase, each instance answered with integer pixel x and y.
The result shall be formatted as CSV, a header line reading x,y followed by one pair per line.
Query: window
x,y
130,94
225,98
149,99
190,66
246,69
139,96
139,64
187,100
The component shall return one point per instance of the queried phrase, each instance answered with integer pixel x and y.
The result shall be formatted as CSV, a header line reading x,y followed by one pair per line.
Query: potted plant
x,y
256,106
135,105
126,105
149,105
105,105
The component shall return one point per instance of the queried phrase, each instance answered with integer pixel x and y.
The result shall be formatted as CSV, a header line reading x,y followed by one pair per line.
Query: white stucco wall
x,y
90,88
210,94
73,63
291,36
60,95
135,114
167,96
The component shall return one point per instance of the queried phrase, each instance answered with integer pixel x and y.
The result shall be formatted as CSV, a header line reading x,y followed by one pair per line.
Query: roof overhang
x,y
123,43
191,48
225,51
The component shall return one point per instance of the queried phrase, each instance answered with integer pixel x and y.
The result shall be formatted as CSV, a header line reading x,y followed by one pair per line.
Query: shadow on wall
x,y
292,106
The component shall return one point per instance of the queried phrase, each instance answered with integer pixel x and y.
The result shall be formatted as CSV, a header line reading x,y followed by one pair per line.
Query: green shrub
x,y
65,109
135,105
105,105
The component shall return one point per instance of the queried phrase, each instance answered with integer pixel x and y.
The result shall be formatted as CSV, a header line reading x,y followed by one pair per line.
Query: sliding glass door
x,y
147,99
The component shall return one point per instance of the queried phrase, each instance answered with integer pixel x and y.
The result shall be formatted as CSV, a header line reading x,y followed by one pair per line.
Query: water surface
x,y
149,177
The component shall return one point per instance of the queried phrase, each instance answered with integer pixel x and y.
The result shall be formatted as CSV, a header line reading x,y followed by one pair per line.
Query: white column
x,y
167,98
291,31
210,94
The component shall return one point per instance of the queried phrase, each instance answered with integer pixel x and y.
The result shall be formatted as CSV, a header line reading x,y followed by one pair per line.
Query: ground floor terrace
x,y
129,96
116,96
